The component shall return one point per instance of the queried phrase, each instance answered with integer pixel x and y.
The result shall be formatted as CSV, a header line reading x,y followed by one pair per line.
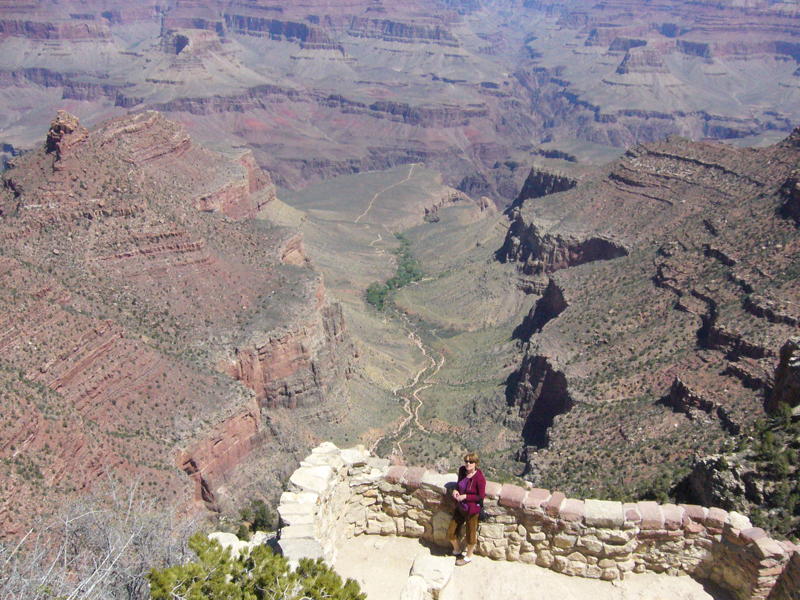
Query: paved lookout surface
x,y
381,565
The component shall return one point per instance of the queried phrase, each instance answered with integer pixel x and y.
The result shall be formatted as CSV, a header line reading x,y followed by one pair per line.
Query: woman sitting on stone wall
x,y
468,494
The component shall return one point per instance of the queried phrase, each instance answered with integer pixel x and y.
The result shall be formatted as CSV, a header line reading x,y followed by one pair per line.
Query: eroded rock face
x,y
298,365
126,273
547,307
541,395
542,253
65,132
541,182
689,318
787,377
725,481
682,398
791,195
480,84
642,61
212,459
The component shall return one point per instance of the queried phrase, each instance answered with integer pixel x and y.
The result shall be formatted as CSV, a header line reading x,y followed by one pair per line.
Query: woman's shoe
x,y
463,560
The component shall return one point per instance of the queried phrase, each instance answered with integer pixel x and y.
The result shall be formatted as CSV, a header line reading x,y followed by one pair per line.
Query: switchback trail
x,y
410,394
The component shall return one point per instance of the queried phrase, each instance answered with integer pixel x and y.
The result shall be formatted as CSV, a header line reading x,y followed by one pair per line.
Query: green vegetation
x,y
257,517
408,270
774,451
260,575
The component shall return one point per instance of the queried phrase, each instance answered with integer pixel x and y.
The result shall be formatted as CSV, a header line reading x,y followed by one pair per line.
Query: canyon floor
x,y
445,348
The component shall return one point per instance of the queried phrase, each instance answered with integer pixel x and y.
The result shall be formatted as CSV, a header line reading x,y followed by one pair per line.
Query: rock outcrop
x,y
541,395
545,253
682,398
541,182
132,270
295,366
547,307
65,132
719,481
791,197
786,389
642,61
676,266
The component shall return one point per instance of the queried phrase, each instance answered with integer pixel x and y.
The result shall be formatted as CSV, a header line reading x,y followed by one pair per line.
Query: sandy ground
x,y
381,566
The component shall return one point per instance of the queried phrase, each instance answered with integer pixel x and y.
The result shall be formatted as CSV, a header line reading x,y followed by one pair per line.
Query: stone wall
x,y
788,586
336,494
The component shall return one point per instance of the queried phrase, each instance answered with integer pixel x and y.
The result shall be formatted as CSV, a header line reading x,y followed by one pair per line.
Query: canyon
x,y
684,243
471,88
599,339
607,292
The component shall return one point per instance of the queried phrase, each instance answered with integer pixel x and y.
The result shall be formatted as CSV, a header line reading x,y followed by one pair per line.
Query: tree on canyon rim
x,y
257,575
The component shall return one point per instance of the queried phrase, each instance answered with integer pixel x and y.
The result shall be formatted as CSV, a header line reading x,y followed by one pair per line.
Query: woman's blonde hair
x,y
473,457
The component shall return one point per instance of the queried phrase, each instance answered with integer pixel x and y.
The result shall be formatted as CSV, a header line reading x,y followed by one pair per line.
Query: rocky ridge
x,y
465,87
687,308
759,474
137,289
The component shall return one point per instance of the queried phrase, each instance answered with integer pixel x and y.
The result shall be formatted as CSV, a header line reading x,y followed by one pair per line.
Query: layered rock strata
x,y
133,273
337,494
541,182
481,86
666,281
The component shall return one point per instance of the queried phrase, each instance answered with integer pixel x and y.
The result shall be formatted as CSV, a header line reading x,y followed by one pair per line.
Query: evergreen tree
x,y
259,575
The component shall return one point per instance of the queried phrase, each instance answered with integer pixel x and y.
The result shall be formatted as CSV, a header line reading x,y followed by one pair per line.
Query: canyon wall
x,y
296,366
662,294
541,182
151,326
483,84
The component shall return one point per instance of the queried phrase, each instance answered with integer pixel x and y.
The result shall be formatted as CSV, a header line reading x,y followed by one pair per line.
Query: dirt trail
x,y
410,394
422,380
386,189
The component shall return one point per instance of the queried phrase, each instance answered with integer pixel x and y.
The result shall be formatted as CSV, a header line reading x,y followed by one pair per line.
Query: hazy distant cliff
x,y
482,83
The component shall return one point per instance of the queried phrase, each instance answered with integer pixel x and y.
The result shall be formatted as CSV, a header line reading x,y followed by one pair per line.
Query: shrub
x,y
408,270
260,575
99,548
243,533
376,295
263,518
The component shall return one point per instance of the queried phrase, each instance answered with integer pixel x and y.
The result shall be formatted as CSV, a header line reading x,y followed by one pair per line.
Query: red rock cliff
x,y
118,296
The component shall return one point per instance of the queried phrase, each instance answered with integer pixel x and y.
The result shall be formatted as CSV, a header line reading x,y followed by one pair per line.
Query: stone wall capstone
x,y
337,494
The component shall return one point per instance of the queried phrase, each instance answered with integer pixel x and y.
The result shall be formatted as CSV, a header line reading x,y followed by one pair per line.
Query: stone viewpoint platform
x,y
337,494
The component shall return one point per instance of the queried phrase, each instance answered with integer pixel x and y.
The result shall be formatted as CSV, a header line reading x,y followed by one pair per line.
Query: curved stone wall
x,y
336,494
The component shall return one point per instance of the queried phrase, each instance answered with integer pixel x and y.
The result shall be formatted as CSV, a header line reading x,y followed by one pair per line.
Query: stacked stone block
x,y
319,495
788,585
337,494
